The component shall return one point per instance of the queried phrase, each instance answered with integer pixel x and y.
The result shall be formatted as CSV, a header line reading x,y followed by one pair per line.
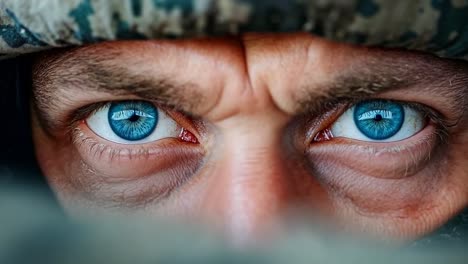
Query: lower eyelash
x,y
394,160
97,149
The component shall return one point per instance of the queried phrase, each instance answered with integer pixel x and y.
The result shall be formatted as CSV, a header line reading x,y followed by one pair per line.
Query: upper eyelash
x,y
85,111
98,149
443,124
429,112
339,107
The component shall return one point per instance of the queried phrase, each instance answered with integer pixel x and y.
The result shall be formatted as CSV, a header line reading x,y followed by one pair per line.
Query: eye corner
x,y
187,136
322,136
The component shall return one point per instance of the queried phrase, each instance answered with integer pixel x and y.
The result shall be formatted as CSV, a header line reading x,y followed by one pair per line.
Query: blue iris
x,y
379,119
133,120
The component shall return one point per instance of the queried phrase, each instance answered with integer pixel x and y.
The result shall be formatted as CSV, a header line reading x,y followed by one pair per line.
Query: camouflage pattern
x,y
438,26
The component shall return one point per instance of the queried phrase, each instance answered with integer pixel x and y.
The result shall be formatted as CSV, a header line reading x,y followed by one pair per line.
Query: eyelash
x,y
325,121
189,132
95,148
338,108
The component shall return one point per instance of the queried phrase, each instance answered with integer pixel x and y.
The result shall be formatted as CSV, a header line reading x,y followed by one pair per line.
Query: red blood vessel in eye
x,y
324,135
187,136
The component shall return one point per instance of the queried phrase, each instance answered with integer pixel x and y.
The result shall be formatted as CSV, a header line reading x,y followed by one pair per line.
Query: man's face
x,y
240,132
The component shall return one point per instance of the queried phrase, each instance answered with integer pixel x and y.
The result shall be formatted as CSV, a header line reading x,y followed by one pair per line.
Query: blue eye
x,y
379,119
133,120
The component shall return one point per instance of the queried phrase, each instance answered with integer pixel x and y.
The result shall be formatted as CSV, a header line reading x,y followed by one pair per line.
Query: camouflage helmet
x,y
436,26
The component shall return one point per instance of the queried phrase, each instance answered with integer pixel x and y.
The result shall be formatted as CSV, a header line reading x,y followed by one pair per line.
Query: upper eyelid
x,y
341,105
184,120
82,112
174,91
429,112
85,111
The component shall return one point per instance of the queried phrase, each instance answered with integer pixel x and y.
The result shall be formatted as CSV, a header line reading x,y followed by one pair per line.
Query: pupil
x,y
378,118
134,118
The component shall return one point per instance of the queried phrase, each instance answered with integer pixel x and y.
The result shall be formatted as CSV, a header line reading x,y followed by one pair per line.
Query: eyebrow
x,y
89,71
99,72
82,72
389,72
165,90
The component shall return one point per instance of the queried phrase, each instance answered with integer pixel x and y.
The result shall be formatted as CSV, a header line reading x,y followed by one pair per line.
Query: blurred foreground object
x,y
33,231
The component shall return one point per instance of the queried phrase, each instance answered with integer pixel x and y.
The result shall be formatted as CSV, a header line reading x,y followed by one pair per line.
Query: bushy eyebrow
x,y
87,70
75,71
101,72
165,90
389,71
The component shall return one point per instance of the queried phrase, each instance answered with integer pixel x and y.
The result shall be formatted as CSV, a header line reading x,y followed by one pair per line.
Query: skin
x,y
254,105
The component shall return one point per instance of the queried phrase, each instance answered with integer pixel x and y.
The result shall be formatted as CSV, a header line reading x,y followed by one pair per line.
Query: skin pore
x,y
255,113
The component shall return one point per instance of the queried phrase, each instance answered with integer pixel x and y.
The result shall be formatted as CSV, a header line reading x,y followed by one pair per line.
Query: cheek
x,y
401,205
348,192
55,162
82,177
377,179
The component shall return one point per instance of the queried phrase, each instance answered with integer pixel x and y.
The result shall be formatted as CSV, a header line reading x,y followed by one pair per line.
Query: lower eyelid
x,y
115,191
381,179
110,155
132,175
381,160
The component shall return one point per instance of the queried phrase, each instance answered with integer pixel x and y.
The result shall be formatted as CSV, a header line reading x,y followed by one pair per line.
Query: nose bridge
x,y
251,185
